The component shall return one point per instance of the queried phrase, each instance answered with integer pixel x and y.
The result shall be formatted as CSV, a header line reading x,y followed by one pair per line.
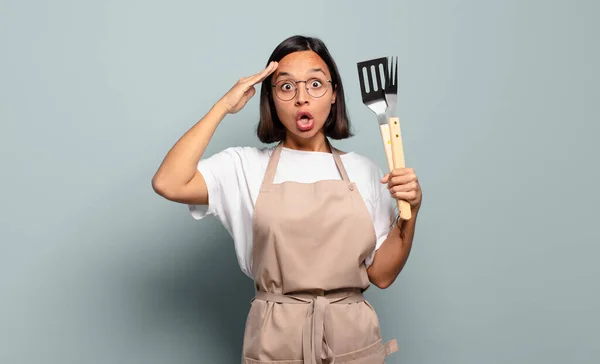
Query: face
x,y
305,113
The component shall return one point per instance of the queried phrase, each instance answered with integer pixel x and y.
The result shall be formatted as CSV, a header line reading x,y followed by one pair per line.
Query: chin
x,y
308,134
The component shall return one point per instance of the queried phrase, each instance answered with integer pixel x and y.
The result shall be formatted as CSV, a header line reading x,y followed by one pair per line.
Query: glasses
x,y
288,89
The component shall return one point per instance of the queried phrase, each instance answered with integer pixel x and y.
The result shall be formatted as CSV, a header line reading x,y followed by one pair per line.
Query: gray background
x,y
497,107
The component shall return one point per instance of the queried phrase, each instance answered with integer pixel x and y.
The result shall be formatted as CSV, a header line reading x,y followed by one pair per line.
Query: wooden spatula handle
x,y
387,146
398,160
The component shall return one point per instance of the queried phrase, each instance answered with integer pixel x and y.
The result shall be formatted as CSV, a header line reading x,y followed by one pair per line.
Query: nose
x,y
302,96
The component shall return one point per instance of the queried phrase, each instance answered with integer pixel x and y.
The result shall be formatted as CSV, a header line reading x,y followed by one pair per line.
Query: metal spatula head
x,y
391,85
371,75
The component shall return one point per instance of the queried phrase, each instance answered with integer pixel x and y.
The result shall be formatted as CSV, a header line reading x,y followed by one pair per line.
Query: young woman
x,y
312,226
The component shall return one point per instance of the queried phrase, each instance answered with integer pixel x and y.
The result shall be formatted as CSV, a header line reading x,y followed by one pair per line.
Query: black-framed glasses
x,y
286,90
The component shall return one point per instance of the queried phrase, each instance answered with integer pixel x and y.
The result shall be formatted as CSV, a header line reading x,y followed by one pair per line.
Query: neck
x,y
316,144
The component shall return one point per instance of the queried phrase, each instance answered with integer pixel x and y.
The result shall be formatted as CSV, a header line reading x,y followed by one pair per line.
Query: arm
x,y
177,178
393,253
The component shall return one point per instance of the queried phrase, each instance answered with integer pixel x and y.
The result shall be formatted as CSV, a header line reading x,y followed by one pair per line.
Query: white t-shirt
x,y
234,176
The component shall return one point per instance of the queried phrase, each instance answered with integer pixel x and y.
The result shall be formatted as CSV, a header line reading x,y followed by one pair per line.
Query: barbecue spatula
x,y
373,76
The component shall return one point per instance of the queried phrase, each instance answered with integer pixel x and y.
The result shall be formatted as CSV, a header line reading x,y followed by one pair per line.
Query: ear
x,y
333,95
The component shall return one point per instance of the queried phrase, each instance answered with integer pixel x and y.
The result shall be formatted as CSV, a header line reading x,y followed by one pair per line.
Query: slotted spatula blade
x,y
372,88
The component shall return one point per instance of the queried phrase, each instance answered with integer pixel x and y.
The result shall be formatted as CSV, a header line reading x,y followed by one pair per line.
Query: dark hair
x,y
337,126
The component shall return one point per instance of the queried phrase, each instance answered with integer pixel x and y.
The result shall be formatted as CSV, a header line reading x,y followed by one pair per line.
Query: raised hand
x,y
237,97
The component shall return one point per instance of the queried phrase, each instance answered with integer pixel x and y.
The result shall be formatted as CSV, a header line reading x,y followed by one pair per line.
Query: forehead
x,y
301,63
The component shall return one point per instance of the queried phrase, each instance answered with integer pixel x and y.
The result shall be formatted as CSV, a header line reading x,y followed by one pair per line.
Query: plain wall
x,y
498,104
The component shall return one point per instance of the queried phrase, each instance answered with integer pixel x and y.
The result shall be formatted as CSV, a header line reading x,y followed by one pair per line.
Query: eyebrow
x,y
312,70
316,70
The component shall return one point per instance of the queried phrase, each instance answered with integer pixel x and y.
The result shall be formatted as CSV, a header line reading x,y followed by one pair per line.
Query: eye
x,y
315,83
286,86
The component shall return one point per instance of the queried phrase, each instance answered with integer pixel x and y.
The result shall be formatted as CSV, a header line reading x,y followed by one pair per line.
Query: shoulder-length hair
x,y
337,126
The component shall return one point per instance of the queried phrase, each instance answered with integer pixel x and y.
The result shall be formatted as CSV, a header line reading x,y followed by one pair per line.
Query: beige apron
x,y
310,243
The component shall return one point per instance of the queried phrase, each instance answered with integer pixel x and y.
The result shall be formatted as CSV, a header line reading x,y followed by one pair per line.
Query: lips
x,y
303,115
304,121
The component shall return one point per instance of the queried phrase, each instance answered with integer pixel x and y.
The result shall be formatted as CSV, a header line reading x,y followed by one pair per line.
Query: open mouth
x,y
304,121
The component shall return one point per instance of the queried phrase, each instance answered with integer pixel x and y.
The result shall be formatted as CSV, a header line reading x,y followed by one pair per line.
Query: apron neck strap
x,y
338,163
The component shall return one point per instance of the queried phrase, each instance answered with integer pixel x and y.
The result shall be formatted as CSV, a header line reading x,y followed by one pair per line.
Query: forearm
x,y
181,162
393,253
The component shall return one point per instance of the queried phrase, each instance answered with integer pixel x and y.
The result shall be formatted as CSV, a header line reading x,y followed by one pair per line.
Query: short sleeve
x,y
224,179
382,215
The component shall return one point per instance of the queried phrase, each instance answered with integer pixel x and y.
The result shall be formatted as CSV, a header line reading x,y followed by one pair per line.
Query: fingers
x,y
406,187
402,176
403,184
401,180
409,196
248,95
235,99
251,91
403,171
260,77
399,176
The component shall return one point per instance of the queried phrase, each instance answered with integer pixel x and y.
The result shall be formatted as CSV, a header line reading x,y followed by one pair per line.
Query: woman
x,y
312,225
